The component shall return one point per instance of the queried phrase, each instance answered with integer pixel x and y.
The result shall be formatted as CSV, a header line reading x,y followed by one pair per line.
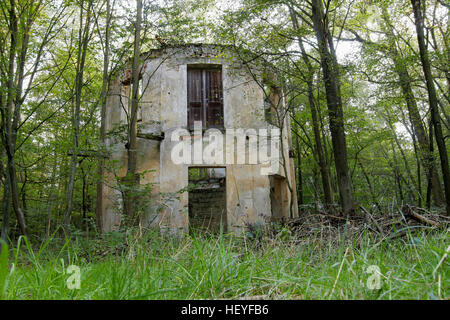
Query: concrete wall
x,y
164,109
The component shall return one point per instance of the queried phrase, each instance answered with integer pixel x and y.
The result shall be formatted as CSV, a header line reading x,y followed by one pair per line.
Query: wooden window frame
x,y
205,104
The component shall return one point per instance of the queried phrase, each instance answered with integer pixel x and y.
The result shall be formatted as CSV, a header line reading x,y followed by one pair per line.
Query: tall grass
x,y
215,267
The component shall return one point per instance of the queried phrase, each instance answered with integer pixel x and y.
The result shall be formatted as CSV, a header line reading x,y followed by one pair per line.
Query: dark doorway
x,y
277,196
207,199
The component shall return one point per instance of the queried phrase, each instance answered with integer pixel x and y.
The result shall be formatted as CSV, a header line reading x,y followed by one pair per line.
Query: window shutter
x,y
214,99
195,100
205,98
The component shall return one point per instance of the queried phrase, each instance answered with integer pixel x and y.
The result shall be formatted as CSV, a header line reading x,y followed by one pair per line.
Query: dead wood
x,y
387,226
408,211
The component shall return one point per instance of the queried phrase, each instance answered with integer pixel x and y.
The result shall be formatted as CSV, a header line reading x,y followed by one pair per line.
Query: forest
x,y
365,85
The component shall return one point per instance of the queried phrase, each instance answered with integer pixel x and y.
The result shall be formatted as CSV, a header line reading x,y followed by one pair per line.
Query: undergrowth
x,y
222,266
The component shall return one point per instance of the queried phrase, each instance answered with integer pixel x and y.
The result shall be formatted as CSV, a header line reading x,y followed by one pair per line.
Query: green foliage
x,y
209,267
3,267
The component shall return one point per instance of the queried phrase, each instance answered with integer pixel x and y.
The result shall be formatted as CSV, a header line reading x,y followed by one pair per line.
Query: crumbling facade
x,y
182,87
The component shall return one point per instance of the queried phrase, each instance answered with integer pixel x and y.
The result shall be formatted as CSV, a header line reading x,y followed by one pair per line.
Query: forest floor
x,y
397,256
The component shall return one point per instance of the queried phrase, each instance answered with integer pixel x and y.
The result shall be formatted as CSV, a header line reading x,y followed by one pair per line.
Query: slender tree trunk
x,y
432,97
15,195
23,190
397,173
6,205
83,197
101,162
419,176
84,37
418,165
132,177
324,169
413,111
431,151
415,118
369,184
315,183
21,17
405,161
11,111
402,153
334,102
417,158
299,173
51,196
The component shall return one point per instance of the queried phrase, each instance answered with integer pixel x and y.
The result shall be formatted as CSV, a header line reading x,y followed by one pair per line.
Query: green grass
x,y
214,267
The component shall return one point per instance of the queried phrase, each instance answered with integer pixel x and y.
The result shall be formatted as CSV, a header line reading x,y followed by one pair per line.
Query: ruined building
x,y
210,86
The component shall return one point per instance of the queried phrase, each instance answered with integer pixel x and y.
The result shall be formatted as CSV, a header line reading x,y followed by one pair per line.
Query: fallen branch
x,y
331,216
407,210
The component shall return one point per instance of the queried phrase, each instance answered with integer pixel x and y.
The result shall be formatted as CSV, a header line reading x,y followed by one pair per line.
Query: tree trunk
x,y
51,196
413,111
369,184
334,102
417,157
402,153
83,198
15,195
432,97
431,150
6,205
132,178
83,40
324,169
101,162
11,111
397,173
299,173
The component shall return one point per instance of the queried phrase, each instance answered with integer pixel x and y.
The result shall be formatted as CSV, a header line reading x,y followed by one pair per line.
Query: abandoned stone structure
x,y
210,85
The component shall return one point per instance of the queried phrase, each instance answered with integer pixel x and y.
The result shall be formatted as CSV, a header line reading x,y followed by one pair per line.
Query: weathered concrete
x,y
163,110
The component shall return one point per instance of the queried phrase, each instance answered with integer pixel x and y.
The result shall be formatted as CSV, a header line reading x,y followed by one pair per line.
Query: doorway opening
x,y
278,197
207,199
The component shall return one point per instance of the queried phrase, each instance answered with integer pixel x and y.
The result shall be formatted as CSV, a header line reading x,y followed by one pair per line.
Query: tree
x,y
330,71
103,95
84,36
132,177
323,165
17,82
401,61
432,97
